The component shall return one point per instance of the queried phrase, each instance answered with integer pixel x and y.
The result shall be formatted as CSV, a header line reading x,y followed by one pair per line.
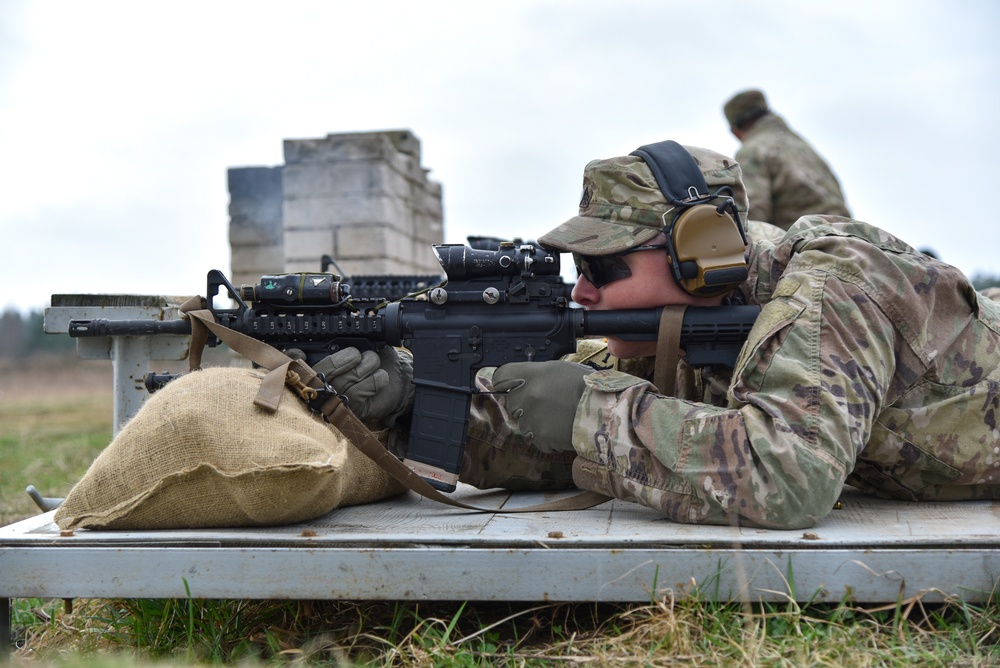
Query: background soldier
x,y
784,177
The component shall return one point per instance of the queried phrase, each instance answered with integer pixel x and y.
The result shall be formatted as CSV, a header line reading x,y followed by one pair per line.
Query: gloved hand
x,y
543,397
377,386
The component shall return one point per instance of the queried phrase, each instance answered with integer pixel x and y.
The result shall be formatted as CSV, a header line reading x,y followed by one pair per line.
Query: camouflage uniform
x,y
784,177
871,364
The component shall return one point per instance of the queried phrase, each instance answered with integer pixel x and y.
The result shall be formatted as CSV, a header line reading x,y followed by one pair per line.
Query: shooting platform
x,y
410,548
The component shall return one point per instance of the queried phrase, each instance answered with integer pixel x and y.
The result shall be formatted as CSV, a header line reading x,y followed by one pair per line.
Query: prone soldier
x,y
870,363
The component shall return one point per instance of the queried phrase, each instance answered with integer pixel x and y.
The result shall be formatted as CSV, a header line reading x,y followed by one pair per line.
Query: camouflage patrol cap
x,y
622,205
744,108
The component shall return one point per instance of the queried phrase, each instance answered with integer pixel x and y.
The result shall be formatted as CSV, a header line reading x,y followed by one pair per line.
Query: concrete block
x,y
431,204
425,259
377,266
319,212
243,233
255,204
307,265
308,244
372,241
258,258
335,179
398,148
361,197
427,229
380,145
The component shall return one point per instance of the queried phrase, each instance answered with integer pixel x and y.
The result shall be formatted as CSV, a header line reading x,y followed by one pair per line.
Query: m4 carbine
x,y
496,306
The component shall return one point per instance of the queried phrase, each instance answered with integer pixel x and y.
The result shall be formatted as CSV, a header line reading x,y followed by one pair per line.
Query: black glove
x,y
377,386
543,397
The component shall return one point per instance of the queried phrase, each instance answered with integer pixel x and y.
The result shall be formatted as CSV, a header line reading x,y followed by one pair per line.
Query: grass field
x,y
55,417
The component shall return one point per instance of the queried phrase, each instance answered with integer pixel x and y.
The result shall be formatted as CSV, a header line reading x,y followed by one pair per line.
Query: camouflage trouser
x,y
516,466
497,462
497,456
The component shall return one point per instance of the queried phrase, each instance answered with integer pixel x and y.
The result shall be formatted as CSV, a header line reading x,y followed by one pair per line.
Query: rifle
x,y
495,307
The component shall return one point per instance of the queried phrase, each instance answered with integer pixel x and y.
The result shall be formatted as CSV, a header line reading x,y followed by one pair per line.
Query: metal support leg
x,y
130,355
131,362
6,638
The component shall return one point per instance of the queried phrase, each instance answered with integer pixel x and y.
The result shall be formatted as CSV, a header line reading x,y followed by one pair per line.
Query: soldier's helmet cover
x,y
745,107
622,206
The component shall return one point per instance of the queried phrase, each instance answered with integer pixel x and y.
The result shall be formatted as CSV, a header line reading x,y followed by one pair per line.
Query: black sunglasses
x,y
603,269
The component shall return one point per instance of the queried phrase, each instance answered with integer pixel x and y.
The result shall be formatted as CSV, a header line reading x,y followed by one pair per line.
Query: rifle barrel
x,y
105,327
701,323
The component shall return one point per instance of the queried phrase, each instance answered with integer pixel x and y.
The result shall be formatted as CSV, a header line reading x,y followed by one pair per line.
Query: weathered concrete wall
x,y
361,197
256,236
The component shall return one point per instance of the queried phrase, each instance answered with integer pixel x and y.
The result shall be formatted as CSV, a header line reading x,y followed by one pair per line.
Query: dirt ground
x,y
54,376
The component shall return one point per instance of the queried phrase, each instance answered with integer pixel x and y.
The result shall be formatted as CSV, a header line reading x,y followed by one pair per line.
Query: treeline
x,y
24,336
983,281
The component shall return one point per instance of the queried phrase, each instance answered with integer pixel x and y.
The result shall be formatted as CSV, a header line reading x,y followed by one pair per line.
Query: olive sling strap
x,y
302,379
668,345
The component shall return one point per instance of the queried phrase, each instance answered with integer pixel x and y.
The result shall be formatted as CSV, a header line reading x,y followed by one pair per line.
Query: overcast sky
x,y
118,120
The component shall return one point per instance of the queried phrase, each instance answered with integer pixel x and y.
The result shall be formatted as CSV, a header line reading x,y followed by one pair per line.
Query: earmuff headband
x,y
669,157
705,242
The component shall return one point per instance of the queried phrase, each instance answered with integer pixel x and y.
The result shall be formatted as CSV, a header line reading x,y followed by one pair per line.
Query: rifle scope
x,y
461,262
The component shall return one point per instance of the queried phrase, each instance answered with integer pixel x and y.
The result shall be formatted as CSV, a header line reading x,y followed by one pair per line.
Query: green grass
x,y
50,444
683,632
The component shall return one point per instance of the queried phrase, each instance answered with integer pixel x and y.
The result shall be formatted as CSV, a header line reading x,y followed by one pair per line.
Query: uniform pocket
x,y
765,339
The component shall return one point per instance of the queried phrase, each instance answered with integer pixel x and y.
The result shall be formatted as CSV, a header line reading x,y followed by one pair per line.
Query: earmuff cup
x,y
706,242
707,251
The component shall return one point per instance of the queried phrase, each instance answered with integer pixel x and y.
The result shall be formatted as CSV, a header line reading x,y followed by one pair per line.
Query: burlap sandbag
x,y
200,454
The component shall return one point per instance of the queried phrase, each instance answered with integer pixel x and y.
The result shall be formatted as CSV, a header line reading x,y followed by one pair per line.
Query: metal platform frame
x,y
410,548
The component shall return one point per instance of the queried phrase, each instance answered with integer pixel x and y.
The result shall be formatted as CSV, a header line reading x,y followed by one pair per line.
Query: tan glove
x,y
542,397
377,386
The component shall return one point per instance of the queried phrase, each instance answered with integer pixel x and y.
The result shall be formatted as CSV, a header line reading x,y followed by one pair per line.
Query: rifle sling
x,y
668,346
296,373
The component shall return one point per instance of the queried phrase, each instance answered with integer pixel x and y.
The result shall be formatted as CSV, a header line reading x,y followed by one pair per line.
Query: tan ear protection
x,y
705,238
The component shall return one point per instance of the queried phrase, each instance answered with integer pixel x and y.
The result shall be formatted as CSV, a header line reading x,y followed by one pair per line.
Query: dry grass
x,y
51,377
671,632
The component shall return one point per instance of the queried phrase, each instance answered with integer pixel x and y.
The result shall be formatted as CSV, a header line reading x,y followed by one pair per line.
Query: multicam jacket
x,y
870,364
784,177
